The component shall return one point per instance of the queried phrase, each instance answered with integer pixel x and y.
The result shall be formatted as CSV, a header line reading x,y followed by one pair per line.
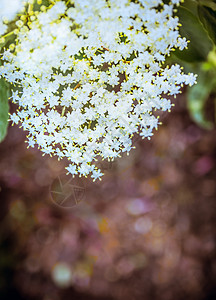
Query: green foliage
x,y
4,108
208,3
208,18
200,43
198,20
198,94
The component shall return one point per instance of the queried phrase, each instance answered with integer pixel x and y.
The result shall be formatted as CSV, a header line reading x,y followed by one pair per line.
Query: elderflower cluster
x,y
89,75
8,11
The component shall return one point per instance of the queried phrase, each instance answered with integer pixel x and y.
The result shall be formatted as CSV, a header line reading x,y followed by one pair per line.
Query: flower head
x,y
92,74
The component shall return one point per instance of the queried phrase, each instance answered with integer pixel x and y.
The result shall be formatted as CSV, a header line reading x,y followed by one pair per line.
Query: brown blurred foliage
x,y
146,231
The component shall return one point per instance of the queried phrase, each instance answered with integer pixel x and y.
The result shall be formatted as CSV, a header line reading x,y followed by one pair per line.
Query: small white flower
x,y
96,174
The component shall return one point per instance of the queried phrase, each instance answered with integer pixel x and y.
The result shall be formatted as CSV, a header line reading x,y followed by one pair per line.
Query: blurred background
x,y
147,230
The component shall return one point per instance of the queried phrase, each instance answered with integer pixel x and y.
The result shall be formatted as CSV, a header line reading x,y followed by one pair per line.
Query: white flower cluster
x,y
90,74
8,11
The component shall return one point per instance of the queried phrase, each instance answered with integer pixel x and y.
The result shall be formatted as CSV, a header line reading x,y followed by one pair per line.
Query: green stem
x,y
30,8
63,111
8,34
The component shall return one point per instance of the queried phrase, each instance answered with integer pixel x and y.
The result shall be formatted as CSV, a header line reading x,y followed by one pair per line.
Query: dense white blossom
x,y
8,11
89,76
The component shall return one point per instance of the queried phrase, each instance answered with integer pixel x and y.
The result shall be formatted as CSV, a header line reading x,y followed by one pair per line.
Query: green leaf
x,y
208,18
209,3
197,96
4,108
200,43
191,5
